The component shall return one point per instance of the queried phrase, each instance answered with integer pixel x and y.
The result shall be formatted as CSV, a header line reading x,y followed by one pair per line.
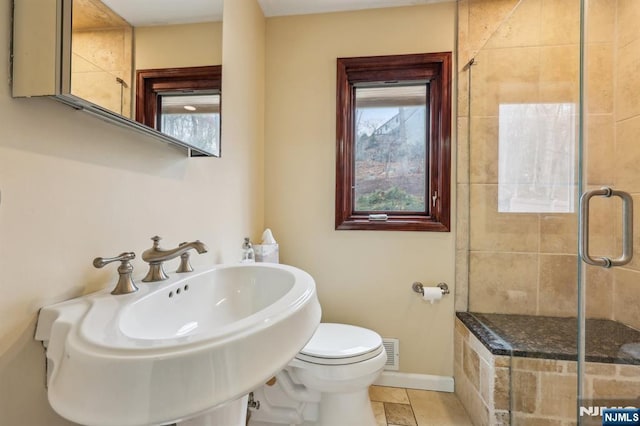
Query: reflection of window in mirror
x,y
183,103
193,118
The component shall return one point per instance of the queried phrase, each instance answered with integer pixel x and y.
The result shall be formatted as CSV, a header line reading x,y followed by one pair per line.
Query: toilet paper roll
x,y
432,294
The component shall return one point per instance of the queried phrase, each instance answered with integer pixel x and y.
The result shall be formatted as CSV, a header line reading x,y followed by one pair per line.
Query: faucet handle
x,y
125,284
99,262
185,266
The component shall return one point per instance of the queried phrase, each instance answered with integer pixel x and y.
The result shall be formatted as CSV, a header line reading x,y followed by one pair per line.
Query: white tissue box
x,y
267,253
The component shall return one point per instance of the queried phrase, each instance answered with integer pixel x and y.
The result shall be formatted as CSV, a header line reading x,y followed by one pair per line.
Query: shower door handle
x,y
627,228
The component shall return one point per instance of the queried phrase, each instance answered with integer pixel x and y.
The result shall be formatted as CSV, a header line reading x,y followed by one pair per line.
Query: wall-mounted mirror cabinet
x,y
88,54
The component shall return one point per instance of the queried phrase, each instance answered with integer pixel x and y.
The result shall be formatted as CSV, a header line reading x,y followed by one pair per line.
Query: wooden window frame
x,y
151,83
434,67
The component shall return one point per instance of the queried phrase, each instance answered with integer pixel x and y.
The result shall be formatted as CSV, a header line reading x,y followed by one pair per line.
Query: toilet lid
x,y
341,344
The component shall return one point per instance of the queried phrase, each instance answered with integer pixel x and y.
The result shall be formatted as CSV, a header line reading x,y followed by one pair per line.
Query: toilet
x,y
327,383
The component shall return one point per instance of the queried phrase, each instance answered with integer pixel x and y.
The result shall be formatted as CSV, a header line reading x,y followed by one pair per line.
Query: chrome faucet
x,y
125,284
156,255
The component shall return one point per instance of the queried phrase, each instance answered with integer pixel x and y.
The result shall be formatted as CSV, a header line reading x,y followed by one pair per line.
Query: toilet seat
x,y
341,344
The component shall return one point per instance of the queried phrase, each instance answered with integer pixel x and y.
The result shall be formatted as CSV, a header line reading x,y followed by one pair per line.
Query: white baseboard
x,y
415,381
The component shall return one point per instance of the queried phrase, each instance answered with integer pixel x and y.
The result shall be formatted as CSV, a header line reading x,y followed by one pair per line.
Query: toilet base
x,y
329,409
346,409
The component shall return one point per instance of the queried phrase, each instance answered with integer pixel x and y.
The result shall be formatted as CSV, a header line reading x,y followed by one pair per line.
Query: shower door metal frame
x,y
627,228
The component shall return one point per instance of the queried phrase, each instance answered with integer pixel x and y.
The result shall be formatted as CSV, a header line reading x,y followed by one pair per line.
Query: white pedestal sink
x,y
177,348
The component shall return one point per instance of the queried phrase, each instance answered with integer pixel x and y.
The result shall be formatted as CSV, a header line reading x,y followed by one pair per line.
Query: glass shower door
x,y
609,288
522,187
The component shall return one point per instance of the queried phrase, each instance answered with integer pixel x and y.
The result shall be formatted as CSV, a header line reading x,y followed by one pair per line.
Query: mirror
x,y
101,56
87,53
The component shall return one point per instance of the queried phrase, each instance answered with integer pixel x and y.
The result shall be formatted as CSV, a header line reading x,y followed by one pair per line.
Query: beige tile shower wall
x,y
481,378
528,52
599,155
627,151
536,391
99,58
543,391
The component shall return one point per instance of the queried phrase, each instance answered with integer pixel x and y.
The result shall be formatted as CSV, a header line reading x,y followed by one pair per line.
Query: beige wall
x,y
173,46
243,86
74,187
363,277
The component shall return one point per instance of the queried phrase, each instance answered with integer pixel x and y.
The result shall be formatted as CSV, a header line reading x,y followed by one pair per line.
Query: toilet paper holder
x,y
419,288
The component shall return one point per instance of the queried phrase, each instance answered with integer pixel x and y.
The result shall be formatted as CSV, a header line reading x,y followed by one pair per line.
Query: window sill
x,y
398,223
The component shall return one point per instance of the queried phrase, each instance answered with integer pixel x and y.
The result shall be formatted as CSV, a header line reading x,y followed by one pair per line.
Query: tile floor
x,y
412,407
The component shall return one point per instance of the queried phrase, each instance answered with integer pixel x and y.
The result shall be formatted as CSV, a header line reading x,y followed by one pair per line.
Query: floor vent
x,y
392,346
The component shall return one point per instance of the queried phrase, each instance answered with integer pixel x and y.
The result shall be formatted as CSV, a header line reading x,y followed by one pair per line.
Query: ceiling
x,y
159,12
304,7
162,12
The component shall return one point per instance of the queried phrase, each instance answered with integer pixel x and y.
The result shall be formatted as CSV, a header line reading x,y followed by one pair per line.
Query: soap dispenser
x,y
248,255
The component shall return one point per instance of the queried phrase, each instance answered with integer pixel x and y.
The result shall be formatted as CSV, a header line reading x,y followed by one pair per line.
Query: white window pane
x,y
194,119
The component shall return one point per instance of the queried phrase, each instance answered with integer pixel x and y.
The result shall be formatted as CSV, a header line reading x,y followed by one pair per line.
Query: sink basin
x,y
177,348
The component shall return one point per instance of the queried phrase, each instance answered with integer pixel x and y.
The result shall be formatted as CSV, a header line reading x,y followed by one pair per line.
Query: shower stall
x,y
548,290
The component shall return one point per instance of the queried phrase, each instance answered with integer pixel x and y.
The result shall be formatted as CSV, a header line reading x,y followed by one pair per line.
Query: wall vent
x,y
392,347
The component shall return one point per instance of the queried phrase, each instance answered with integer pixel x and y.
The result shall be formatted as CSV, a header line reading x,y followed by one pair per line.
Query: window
x,y
183,103
191,117
536,158
393,153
